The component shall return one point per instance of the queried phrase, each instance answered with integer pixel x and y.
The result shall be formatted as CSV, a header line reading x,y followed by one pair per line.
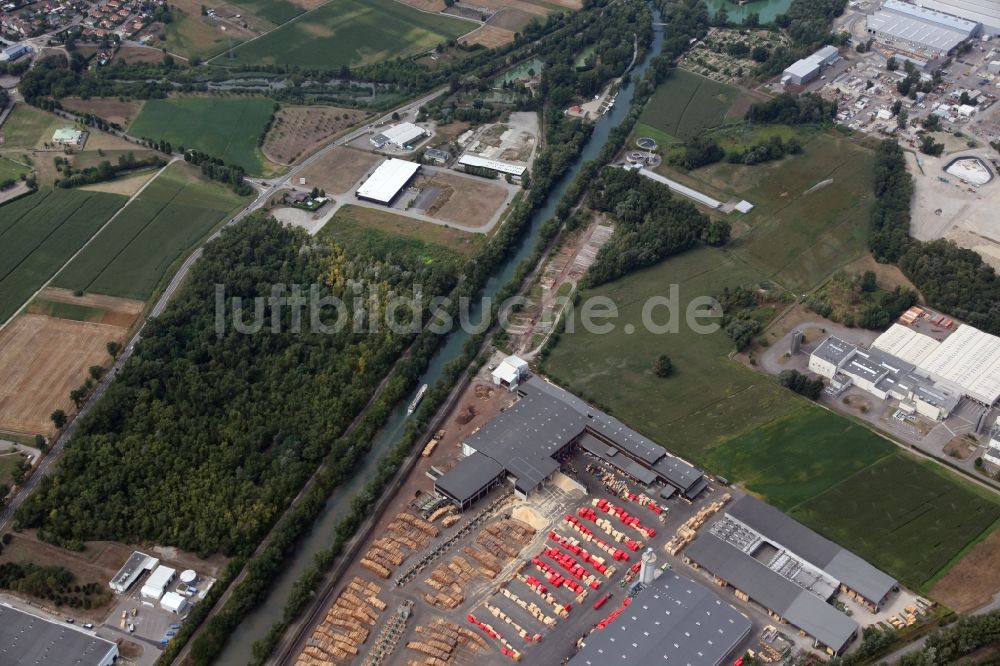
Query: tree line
x,y
106,171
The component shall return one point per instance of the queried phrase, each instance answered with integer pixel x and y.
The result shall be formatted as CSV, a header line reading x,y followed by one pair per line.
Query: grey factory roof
x,y
834,350
610,454
28,639
767,588
839,562
471,475
674,621
926,27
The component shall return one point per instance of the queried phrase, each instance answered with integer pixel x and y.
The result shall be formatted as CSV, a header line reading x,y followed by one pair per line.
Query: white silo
x,y
647,569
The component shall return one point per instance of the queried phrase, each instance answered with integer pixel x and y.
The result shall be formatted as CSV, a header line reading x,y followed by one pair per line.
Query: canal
x,y
238,649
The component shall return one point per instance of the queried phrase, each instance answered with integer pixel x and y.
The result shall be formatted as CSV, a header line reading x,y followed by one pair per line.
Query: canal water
x,y
238,649
767,9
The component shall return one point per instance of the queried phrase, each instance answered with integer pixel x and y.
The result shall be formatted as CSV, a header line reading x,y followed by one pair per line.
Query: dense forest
x,y
788,109
651,224
951,278
203,438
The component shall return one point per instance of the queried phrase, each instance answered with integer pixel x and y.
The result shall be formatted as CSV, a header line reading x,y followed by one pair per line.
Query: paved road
x,y
264,194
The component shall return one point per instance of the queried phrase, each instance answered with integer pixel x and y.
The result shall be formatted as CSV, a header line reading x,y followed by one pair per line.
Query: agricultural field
x,y
25,128
11,169
224,127
192,35
489,36
113,110
339,169
132,256
685,105
40,232
352,32
275,11
370,228
297,130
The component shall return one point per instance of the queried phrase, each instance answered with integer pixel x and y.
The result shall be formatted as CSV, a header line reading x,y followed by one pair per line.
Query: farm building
x,y
921,28
510,371
401,136
14,52
672,620
805,70
157,582
778,563
136,565
67,136
496,166
387,181
986,12
524,444
27,639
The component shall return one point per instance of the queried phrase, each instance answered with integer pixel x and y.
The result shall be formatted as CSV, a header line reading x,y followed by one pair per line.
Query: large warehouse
x,y
986,12
524,444
387,181
516,172
136,565
401,136
803,71
788,569
673,621
29,640
924,29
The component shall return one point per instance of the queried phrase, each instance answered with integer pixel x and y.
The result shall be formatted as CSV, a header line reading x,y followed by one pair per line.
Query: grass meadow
x,y
132,256
685,105
40,232
351,32
224,127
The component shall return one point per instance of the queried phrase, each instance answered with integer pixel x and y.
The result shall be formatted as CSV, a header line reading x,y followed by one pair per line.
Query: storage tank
x,y
647,569
189,577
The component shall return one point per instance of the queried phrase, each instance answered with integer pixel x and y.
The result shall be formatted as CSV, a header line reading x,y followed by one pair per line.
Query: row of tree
x,y
107,171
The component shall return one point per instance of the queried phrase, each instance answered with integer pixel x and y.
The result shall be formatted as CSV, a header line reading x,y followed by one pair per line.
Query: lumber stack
x,y
346,626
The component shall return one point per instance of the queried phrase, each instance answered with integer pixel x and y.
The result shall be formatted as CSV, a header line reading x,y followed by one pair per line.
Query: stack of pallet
x,y
529,606
562,610
518,629
686,533
337,638
444,643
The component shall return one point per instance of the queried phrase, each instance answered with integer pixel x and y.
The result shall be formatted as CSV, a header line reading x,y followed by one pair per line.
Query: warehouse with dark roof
x,y
527,441
28,639
675,621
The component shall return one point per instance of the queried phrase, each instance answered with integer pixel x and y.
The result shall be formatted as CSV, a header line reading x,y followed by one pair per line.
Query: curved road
x,y
264,193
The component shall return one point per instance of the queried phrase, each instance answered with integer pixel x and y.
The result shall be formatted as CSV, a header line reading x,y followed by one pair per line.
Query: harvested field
x,y
427,5
191,34
511,18
340,169
297,130
111,109
124,186
104,141
63,303
489,36
469,201
138,54
974,580
533,8
41,360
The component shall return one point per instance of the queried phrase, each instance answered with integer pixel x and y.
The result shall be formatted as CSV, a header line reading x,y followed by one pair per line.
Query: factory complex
x,y
525,443
387,181
27,639
789,570
401,136
922,28
805,70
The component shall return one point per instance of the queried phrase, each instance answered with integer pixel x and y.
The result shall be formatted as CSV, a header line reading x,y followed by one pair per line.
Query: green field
x,y
351,32
40,232
275,11
223,127
25,128
131,256
11,170
685,105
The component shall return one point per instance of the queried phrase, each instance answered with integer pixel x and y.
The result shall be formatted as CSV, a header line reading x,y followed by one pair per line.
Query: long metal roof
x,y
674,621
928,28
387,180
471,475
986,12
27,639
970,359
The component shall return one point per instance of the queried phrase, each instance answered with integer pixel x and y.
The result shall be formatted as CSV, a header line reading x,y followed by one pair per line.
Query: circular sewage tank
x,y
971,169
646,143
188,576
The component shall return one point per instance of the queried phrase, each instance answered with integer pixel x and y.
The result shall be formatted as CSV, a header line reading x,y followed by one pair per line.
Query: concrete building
x,y
510,372
174,603
672,620
387,181
157,582
992,453
986,12
515,171
67,136
29,640
402,136
136,565
921,28
524,443
788,570
803,71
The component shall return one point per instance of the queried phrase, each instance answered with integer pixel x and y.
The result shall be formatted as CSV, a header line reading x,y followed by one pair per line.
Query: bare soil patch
x,y
339,169
126,186
41,360
103,141
529,7
512,18
107,303
974,580
468,201
959,447
489,36
427,5
112,110
298,129
138,54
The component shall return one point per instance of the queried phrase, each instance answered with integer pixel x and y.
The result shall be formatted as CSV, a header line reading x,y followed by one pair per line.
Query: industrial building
x,y
401,136
515,171
922,28
174,603
387,181
926,375
789,570
69,137
992,453
509,372
673,620
157,582
803,71
136,565
524,444
29,640
12,53
986,12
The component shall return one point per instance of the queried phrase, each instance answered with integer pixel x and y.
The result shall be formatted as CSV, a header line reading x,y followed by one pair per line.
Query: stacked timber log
x,y
346,626
442,643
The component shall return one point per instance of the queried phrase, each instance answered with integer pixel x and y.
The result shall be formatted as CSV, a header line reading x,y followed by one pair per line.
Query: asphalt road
x,y
161,303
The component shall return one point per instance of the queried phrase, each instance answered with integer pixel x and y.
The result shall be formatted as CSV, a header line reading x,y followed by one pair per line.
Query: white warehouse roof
x,y
387,180
496,165
158,581
970,359
986,12
926,27
802,68
173,602
403,134
907,344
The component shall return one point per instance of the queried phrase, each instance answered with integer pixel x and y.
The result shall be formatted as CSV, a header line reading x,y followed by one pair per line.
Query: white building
x,y
993,447
157,582
401,136
803,71
387,181
136,565
986,12
173,602
921,28
510,372
514,170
